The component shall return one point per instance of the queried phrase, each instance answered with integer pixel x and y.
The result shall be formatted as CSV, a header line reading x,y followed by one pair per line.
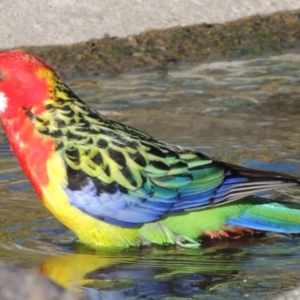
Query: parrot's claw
x,y
186,242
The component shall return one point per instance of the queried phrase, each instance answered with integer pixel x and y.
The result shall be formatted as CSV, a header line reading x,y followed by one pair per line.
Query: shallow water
x,y
246,112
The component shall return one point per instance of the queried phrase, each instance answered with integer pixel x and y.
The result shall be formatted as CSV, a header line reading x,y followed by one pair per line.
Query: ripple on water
x,y
234,102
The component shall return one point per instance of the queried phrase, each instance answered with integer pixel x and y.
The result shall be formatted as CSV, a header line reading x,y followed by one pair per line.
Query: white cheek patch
x,y
3,102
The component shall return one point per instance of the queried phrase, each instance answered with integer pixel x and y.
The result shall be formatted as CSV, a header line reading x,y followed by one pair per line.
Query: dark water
x,y
246,112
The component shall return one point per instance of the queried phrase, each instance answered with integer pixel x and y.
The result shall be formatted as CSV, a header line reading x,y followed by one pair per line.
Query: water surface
x,y
246,112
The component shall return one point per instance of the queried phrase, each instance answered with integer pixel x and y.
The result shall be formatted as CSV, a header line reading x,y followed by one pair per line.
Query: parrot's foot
x,y
228,231
159,234
186,242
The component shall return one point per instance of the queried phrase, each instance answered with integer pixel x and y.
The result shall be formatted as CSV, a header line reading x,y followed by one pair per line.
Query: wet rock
x,y
17,284
247,37
290,295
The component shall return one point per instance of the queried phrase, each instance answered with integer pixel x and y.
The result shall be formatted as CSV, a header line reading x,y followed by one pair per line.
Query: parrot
x,y
117,187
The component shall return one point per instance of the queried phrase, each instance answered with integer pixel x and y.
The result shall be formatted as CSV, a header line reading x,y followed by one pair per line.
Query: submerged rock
x,y
17,284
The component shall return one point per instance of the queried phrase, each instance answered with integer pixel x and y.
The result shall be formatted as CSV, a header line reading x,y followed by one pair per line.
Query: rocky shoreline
x,y
164,49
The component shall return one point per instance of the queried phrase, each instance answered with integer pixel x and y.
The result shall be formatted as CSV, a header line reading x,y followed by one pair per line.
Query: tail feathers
x,y
276,217
236,187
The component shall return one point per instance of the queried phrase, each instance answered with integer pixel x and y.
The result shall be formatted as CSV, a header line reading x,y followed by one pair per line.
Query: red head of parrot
x,y
26,84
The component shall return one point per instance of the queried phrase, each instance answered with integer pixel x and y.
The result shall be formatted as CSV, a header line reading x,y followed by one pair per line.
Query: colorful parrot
x,y
115,186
